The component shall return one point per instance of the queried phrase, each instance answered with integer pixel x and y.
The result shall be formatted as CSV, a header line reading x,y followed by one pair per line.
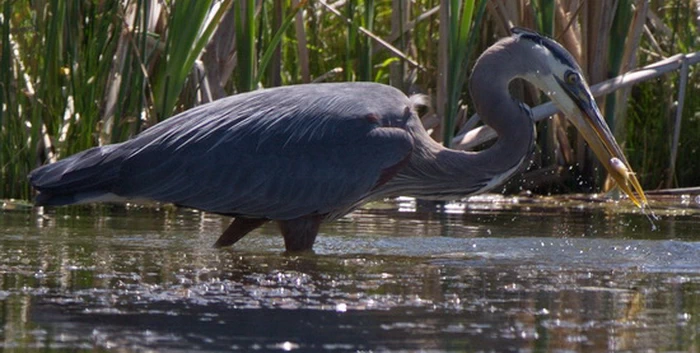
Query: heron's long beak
x,y
591,124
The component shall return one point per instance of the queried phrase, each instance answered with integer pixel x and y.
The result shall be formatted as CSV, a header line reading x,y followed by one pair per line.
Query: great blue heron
x,y
303,154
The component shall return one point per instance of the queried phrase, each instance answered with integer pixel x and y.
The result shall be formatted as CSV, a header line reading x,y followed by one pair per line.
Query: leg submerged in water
x,y
300,233
237,230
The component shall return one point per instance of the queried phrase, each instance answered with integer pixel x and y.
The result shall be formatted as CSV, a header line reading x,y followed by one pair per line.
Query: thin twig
x,y
683,82
302,46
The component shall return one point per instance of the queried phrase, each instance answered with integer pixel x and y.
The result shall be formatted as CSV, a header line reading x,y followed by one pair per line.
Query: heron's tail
x,y
84,177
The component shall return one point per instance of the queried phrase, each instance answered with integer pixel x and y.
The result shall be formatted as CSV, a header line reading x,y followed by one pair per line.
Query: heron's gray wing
x,y
269,155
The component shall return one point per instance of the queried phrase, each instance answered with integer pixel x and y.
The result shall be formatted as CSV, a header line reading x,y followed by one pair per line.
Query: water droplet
x,y
287,346
651,216
685,199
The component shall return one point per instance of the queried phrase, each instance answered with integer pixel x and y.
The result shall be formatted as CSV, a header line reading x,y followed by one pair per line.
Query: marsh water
x,y
495,274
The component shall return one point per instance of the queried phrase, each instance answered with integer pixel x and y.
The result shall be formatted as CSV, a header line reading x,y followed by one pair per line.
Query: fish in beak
x,y
586,116
559,76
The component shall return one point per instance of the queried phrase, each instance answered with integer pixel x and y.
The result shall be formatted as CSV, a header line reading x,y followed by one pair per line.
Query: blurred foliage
x,y
652,105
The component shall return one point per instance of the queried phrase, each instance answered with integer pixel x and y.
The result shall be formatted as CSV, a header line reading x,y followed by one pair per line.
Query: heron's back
x,y
280,152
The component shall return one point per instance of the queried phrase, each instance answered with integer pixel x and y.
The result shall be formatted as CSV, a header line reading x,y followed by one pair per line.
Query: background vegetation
x,y
79,73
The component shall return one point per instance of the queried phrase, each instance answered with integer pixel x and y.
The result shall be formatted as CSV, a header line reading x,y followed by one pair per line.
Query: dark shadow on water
x,y
215,328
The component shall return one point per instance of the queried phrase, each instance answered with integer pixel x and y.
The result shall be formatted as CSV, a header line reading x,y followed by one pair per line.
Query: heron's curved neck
x,y
473,172
444,173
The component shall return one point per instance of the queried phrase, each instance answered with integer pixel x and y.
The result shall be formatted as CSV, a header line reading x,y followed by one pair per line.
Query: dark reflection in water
x,y
497,274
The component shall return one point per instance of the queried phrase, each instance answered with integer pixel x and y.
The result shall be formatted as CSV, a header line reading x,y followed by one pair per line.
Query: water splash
x,y
651,216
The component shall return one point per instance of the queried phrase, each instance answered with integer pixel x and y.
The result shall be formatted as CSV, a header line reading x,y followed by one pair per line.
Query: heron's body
x,y
299,155
279,153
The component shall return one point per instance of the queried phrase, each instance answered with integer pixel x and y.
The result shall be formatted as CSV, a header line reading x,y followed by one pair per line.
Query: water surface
x,y
495,274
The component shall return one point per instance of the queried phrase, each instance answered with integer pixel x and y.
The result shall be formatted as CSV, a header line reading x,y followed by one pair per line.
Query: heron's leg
x,y
237,230
300,233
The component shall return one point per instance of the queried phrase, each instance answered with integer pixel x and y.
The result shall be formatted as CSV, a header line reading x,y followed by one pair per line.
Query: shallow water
x,y
495,274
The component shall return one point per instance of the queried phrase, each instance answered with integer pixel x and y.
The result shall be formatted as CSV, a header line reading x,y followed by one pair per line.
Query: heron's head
x,y
555,71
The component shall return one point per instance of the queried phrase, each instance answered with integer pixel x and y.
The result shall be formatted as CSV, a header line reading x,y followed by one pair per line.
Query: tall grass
x,y
461,17
191,24
245,44
75,74
652,109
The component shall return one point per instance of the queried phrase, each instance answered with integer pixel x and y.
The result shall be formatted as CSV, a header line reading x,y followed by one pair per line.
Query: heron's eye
x,y
572,78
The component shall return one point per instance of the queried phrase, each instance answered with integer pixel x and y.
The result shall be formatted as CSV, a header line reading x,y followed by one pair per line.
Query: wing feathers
x,y
278,154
